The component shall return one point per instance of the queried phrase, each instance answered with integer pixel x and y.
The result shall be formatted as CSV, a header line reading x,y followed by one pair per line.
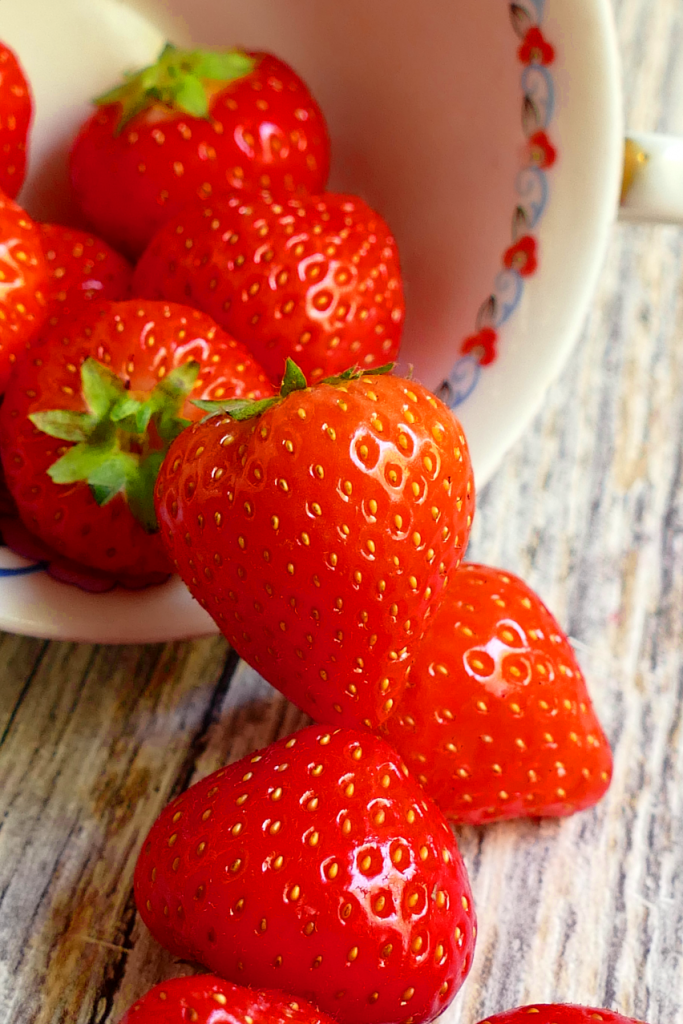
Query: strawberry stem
x,y
293,380
177,79
120,443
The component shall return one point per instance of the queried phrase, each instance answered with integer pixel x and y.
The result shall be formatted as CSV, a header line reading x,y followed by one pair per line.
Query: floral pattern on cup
x,y
482,345
522,256
521,259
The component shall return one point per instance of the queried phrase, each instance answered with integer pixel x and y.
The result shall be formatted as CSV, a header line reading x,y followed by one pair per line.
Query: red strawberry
x,y
90,413
82,268
558,1013
207,999
23,280
194,124
318,866
16,109
22,542
319,533
496,721
317,279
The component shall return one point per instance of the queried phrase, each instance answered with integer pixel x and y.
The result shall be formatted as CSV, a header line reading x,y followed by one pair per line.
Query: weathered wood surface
x,y
589,509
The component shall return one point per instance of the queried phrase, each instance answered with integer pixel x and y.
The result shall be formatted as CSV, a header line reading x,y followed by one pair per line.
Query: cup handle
x,y
652,186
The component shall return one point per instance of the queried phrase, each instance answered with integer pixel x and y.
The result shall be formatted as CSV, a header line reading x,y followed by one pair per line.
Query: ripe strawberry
x,y
314,278
82,269
319,529
207,999
194,124
23,280
558,1013
496,721
16,109
88,417
317,866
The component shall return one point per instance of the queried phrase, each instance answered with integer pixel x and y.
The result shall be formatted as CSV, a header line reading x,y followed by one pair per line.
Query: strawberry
x,y
23,281
22,542
558,1013
195,123
496,721
315,278
82,268
16,110
208,999
317,866
88,417
319,529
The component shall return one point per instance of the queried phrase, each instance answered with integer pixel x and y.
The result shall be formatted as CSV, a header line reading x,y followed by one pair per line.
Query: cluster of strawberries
x,y
322,523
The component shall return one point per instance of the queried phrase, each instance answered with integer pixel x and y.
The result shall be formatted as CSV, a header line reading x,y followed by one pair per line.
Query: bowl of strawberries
x,y
212,204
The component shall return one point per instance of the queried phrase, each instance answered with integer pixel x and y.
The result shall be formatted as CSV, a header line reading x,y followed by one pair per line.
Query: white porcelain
x,y
424,105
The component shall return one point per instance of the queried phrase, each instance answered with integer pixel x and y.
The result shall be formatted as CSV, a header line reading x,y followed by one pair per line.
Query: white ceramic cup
x,y
433,112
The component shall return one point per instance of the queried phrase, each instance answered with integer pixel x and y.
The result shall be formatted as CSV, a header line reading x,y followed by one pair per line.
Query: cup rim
x,y
573,235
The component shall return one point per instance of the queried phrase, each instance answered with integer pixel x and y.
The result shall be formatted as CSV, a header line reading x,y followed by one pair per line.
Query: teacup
x,y
487,132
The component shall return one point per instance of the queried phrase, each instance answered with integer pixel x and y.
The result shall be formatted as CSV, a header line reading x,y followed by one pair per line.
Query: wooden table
x,y
588,508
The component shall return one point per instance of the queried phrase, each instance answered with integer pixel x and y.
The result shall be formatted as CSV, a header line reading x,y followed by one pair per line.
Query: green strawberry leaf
x,y
180,381
354,373
64,424
177,79
119,94
143,418
140,491
79,462
246,408
126,406
168,49
169,396
170,426
293,379
223,65
112,475
114,449
131,415
237,408
190,95
102,389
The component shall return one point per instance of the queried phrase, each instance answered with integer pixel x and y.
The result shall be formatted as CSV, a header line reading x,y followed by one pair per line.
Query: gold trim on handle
x,y
635,159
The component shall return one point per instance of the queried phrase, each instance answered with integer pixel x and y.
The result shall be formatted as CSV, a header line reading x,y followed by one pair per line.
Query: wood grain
x,y
588,508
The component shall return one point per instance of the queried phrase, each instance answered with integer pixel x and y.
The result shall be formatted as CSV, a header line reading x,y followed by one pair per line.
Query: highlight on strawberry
x,y
317,866
319,529
496,721
16,113
315,278
81,269
194,124
208,999
90,414
23,285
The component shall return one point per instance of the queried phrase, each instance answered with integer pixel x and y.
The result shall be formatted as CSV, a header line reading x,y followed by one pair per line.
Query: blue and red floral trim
x,y
521,259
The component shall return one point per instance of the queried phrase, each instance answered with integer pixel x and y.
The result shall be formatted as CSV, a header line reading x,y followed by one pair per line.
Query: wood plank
x,y
102,736
19,658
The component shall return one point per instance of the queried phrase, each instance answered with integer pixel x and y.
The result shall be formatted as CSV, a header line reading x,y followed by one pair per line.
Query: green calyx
x,y
178,79
120,442
293,380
